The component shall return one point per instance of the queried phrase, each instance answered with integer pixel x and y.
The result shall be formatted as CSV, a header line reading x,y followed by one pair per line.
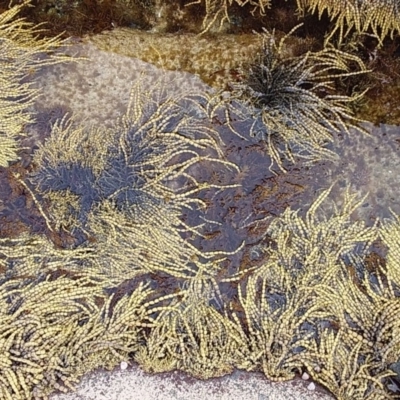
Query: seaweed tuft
x,y
293,100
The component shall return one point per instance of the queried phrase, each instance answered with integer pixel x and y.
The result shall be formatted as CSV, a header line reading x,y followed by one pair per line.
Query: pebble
x,y
311,386
124,365
305,376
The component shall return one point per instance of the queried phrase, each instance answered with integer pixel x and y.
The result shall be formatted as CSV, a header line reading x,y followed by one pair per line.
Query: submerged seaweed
x,y
292,99
314,297
132,167
21,54
66,316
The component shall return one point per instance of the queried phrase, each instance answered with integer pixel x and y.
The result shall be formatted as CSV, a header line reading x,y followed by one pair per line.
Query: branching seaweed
x,y
303,308
381,16
139,168
292,99
21,54
217,11
133,286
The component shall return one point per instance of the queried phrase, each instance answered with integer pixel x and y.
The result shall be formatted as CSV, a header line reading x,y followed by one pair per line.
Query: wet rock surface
x,y
90,91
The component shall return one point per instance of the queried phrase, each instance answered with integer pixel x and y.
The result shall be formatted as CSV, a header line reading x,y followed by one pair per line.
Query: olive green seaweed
x,y
381,18
217,10
306,308
124,281
301,310
55,325
22,53
134,183
295,99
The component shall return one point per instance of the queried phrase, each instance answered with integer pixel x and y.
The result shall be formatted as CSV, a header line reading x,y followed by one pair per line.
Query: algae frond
x,y
22,53
131,285
293,102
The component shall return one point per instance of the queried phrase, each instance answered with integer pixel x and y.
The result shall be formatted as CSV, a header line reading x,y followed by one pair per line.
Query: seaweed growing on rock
x,y
217,11
58,324
21,53
303,308
126,188
316,304
292,99
381,16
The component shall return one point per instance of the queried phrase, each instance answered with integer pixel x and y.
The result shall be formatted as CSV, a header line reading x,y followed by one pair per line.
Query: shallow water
x,y
235,220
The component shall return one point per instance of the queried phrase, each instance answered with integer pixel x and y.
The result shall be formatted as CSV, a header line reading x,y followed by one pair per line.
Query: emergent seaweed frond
x,y
217,11
57,325
21,54
303,309
293,103
193,334
381,16
306,308
390,234
126,188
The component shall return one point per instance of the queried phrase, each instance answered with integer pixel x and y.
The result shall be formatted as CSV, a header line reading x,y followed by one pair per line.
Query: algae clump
x,y
22,53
